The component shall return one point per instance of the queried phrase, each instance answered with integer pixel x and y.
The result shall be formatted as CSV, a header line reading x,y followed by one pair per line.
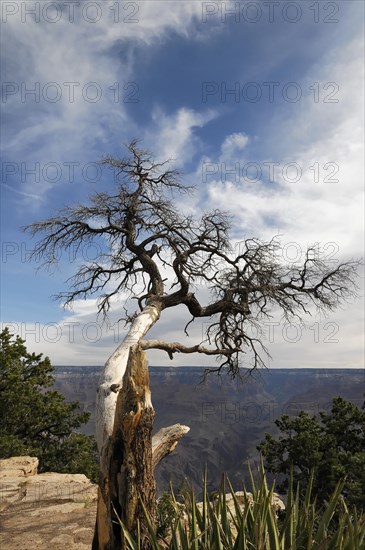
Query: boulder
x,y
242,499
18,466
276,501
19,482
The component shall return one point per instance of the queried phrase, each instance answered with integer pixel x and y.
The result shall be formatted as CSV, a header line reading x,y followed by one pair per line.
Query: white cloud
x,y
22,193
172,136
62,60
326,142
233,144
322,144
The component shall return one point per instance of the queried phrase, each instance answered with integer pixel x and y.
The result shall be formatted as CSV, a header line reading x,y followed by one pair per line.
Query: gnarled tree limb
x,y
176,347
165,441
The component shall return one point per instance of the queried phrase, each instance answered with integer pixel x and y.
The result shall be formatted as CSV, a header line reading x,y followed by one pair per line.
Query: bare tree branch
x,y
176,347
143,237
165,441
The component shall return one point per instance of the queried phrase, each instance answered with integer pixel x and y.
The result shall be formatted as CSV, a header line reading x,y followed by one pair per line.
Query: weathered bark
x,y
129,480
125,418
165,441
132,444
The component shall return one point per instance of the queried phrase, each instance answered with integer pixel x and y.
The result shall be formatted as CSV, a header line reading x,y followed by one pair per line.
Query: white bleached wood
x,y
165,441
112,377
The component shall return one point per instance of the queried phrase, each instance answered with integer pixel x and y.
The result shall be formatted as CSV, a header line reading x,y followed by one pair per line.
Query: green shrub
x,y
333,445
35,419
166,513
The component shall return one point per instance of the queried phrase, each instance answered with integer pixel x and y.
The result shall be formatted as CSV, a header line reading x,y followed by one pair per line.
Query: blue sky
x,y
273,90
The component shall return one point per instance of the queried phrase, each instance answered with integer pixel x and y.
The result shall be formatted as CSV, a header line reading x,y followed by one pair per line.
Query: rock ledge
x,y
56,510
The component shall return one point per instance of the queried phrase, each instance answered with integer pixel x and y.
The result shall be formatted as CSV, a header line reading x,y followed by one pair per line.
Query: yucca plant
x,y
254,525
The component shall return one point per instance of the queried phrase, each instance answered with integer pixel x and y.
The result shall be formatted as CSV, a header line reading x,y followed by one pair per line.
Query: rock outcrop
x,y
242,499
276,501
18,466
42,511
57,511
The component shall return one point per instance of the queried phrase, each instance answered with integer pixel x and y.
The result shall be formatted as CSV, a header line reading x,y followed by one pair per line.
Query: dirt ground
x,y
61,525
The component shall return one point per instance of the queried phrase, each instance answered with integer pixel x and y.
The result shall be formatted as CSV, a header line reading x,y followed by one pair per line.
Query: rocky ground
x,y
53,511
44,511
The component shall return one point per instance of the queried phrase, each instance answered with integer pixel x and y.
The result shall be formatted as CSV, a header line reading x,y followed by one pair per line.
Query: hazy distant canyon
x,y
227,419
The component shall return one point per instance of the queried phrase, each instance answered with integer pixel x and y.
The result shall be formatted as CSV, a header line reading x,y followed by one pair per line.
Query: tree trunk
x,y
124,418
111,381
129,481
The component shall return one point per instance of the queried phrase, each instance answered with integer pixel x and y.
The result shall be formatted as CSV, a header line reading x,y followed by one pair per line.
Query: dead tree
x,y
162,258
